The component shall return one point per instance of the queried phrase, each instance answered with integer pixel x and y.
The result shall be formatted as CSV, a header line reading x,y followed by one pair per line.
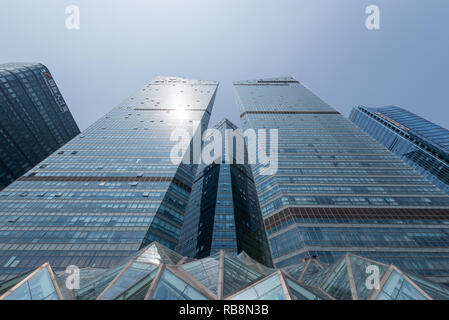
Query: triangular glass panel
x,y
153,254
139,289
172,255
337,284
90,290
86,276
137,274
434,290
250,262
38,287
315,278
205,271
361,270
268,289
398,288
8,284
312,270
299,292
170,287
296,270
237,275
20,293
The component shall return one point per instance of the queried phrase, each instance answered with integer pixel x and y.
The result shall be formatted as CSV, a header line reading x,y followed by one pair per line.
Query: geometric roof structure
x,y
158,273
348,279
39,284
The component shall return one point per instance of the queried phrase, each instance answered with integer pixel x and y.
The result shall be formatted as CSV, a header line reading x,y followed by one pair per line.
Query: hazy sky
x,y
122,44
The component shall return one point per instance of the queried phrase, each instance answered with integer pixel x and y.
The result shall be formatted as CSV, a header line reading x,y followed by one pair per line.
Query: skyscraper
x,y
34,118
420,143
337,190
109,191
223,211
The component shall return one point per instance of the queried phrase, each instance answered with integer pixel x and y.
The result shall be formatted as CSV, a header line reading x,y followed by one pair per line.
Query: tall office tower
x,y
420,143
34,119
109,191
223,210
338,190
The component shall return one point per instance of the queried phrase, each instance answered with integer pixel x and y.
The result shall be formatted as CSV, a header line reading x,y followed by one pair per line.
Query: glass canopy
x,y
159,273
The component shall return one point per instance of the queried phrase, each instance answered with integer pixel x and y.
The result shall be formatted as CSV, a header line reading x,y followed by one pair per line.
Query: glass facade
x,y
112,189
223,210
158,273
338,190
34,118
347,279
418,142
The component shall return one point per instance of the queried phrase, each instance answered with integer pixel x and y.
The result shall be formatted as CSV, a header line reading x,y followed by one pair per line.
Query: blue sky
x,y
122,44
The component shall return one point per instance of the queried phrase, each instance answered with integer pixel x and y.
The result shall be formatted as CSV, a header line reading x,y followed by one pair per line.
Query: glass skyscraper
x,y
34,118
112,189
420,143
337,190
223,212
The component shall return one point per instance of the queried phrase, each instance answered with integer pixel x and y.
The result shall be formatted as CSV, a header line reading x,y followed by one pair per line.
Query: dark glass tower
x,y
111,190
34,118
420,143
223,210
338,190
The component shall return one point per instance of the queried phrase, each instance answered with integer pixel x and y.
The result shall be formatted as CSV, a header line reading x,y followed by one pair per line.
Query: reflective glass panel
x,y
132,275
269,289
397,288
170,287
